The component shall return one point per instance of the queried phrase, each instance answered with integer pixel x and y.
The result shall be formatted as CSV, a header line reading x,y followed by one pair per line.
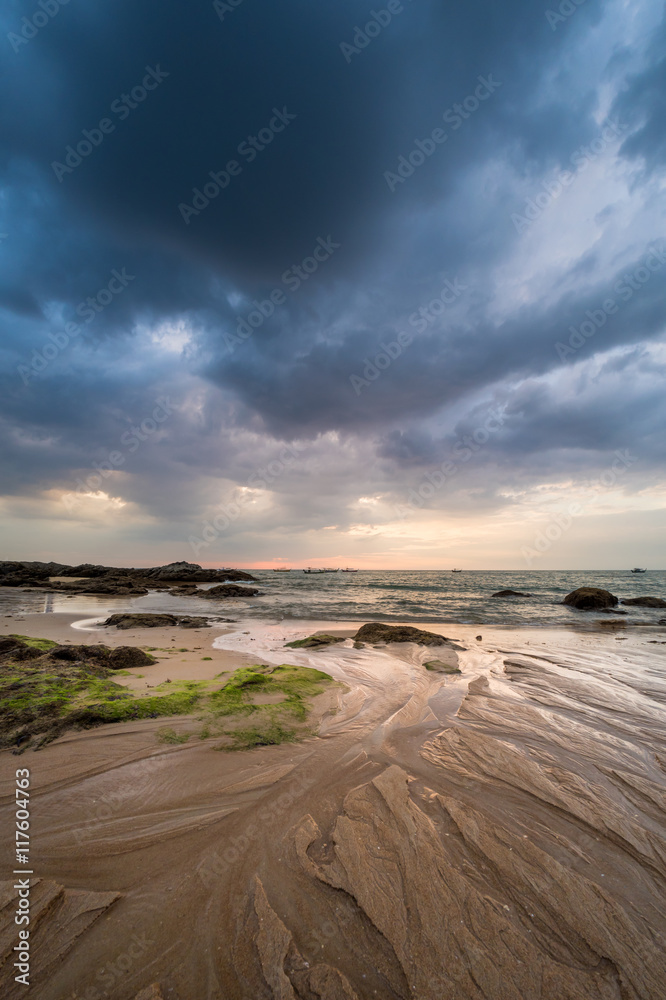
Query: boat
x,y
281,569
348,570
637,570
456,571
311,570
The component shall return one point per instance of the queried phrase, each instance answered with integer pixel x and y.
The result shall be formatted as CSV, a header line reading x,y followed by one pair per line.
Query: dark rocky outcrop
x,y
193,573
645,602
120,658
315,641
18,650
121,581
124,586
379,632
510,593
127,657
140,620
228,590
590,599
74,654
145,620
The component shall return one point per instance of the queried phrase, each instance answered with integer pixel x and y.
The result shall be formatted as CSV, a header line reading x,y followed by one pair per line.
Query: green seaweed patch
x,y
44,644
314,641
258,736
41,699
440,667
170,736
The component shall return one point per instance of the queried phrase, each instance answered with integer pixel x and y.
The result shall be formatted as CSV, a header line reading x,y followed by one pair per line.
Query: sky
x,y
322,283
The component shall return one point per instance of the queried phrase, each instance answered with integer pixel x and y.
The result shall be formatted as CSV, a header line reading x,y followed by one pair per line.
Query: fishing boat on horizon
x,y
637,570
348,570
456,571
281,569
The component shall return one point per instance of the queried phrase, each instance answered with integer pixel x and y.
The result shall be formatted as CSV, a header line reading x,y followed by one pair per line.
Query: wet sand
x,y
496,834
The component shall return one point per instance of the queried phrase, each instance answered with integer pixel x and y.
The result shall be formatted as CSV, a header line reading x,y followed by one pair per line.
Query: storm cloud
x,y
351,230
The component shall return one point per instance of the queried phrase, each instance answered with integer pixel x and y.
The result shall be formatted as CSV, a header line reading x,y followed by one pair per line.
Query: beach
x,y
497,832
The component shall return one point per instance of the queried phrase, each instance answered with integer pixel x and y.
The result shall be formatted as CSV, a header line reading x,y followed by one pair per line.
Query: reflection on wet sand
x,y
493,834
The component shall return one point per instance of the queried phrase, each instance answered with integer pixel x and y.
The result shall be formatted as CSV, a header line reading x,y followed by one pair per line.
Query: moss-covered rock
x,y
317,641
375,632
440,667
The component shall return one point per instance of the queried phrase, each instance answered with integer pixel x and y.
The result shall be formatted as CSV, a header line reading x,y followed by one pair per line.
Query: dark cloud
x,y
173,329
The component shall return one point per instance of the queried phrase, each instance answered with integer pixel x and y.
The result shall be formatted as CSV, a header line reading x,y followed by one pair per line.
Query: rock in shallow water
x,y
590,599
228,590
645,602
315,641
510,593
379,632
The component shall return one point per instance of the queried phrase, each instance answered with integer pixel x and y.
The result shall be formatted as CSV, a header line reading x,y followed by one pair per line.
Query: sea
x,y
409,596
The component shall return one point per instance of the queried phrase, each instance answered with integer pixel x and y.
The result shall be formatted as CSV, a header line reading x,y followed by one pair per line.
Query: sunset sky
x,y
302,283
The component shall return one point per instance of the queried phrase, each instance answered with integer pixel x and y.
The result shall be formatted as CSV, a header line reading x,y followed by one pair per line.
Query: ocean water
x,y
387,595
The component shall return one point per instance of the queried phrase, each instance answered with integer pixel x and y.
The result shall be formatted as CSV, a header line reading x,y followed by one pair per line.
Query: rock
x,y
315,641
126,621
228,590
510,593
590,599
127,657
192,572
85,569
145,620
187,621
185,590
122,586
440,667
378,632
645,602
74,654
17,650
479,638
110,579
